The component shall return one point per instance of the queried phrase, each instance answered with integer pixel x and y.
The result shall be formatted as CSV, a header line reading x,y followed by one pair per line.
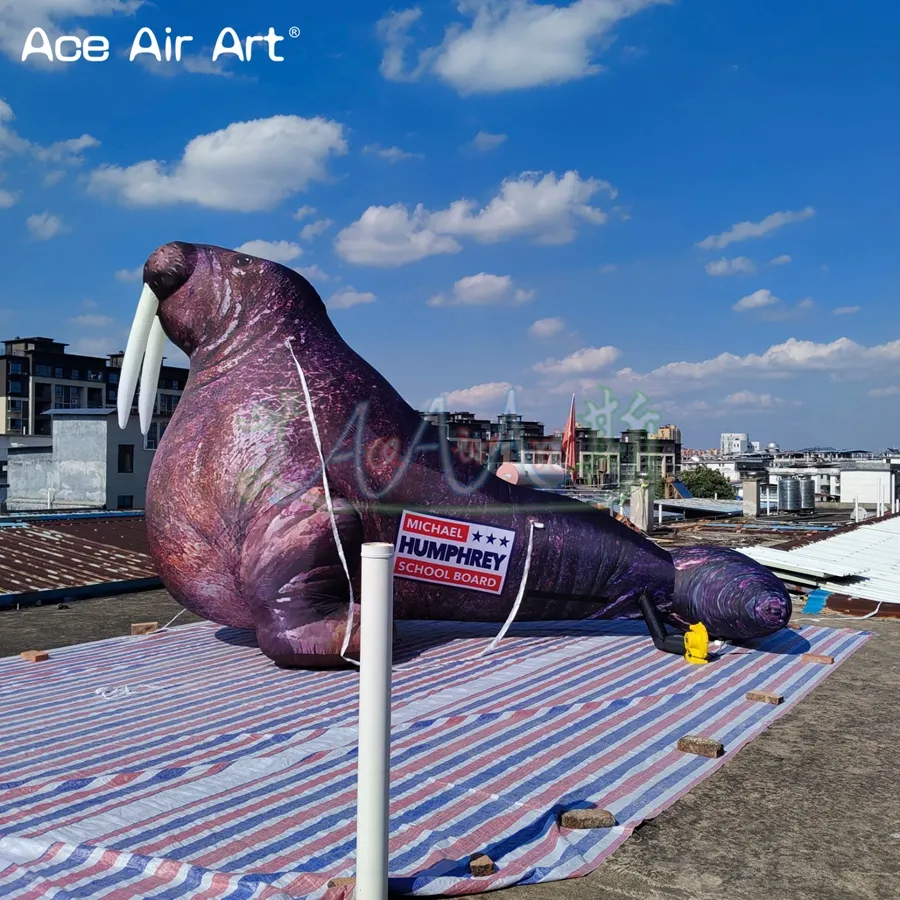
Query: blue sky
x,y
694,200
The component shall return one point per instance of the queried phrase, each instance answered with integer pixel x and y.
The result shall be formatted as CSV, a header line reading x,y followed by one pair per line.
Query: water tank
x,y
789,494
540,476
807,493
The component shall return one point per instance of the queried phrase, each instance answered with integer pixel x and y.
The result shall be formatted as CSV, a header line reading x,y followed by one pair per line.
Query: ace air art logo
x,y
447,551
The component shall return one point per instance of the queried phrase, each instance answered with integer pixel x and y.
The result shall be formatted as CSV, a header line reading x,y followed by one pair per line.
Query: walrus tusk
x,y
153,357
134,352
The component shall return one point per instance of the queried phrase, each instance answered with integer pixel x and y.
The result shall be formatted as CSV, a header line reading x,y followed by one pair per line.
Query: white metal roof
x,y
862,562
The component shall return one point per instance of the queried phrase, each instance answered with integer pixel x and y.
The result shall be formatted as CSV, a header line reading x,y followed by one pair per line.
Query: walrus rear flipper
x,y
295,584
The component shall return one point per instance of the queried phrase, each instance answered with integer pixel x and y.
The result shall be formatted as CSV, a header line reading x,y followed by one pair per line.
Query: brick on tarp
x,y
35,655
701,746
346,882
481,866
818,658
593,817
765,697
144,627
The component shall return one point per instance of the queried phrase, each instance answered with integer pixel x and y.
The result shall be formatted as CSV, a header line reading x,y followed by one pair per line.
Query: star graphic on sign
x,y
476,536
504,542
490,539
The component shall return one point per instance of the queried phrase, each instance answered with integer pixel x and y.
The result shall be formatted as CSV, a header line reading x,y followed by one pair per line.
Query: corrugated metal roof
x,y
863,561
71,555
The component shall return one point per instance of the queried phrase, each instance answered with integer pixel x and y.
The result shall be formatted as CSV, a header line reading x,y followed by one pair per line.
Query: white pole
x,y
374,762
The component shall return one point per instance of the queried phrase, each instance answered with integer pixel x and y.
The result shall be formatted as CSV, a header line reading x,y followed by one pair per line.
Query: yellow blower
x,y
696,644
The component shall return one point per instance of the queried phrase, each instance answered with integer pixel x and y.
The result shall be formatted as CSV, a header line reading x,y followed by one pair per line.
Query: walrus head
x,y
199,296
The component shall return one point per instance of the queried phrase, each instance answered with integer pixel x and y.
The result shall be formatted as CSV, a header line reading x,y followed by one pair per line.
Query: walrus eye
x,y
243,261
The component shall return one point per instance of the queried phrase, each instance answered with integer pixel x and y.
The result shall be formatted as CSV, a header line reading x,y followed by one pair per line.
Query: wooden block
x,y
342,882
481,866
587,818
701,746
144,627
818,658
35,655
763,697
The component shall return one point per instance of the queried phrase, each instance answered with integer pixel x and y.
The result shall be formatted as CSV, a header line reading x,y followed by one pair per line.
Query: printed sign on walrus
x,y
459,554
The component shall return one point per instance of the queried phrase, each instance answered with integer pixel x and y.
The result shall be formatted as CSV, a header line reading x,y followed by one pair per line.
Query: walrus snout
x,y
169,268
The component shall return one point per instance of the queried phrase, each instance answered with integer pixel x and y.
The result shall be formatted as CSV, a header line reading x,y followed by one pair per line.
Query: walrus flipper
x,y
295,584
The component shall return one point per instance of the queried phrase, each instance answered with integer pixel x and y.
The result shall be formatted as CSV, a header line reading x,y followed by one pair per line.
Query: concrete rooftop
x,y
808,810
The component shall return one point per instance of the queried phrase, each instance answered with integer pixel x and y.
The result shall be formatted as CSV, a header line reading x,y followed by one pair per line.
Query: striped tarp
x,y
185,764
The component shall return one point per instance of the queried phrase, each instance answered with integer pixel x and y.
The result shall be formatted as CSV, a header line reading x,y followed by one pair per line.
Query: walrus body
x,y
238,515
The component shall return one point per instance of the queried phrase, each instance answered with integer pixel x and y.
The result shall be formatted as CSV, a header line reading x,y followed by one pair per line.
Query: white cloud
x,y
391,154
739,265
485,141
756,300
545,207
393,32
304,213
130,274
509,44
347,297
777,313
314,229
483,290
782,260
89,304
745,230
892,391
43,226
847,310
68,152
53,177
751,399
92,321
391,236
780,360
547,328
312,273
477,398
588,359
277,251
18,17
199,62
246,167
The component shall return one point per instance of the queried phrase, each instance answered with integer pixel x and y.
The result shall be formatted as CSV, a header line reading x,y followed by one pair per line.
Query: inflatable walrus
x,y
288,451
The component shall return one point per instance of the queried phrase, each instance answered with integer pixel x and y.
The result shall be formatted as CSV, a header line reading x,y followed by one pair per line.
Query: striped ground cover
x,y
185,765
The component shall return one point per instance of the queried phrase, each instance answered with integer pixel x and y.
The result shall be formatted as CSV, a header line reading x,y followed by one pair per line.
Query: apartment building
x,y
37,375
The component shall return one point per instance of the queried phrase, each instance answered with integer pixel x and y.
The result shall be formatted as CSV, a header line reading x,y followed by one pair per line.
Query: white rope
x,y
328,503
521,595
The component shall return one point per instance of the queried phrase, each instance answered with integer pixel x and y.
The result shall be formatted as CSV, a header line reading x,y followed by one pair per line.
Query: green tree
x,y
708,483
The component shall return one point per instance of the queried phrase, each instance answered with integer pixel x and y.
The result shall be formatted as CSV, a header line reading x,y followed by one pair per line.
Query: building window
x,y
126,459
42,371
111,393
15,387
76,374
15,368
94,376
15,424
113,377
154,435
166,404
58,372
125,501
15,406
